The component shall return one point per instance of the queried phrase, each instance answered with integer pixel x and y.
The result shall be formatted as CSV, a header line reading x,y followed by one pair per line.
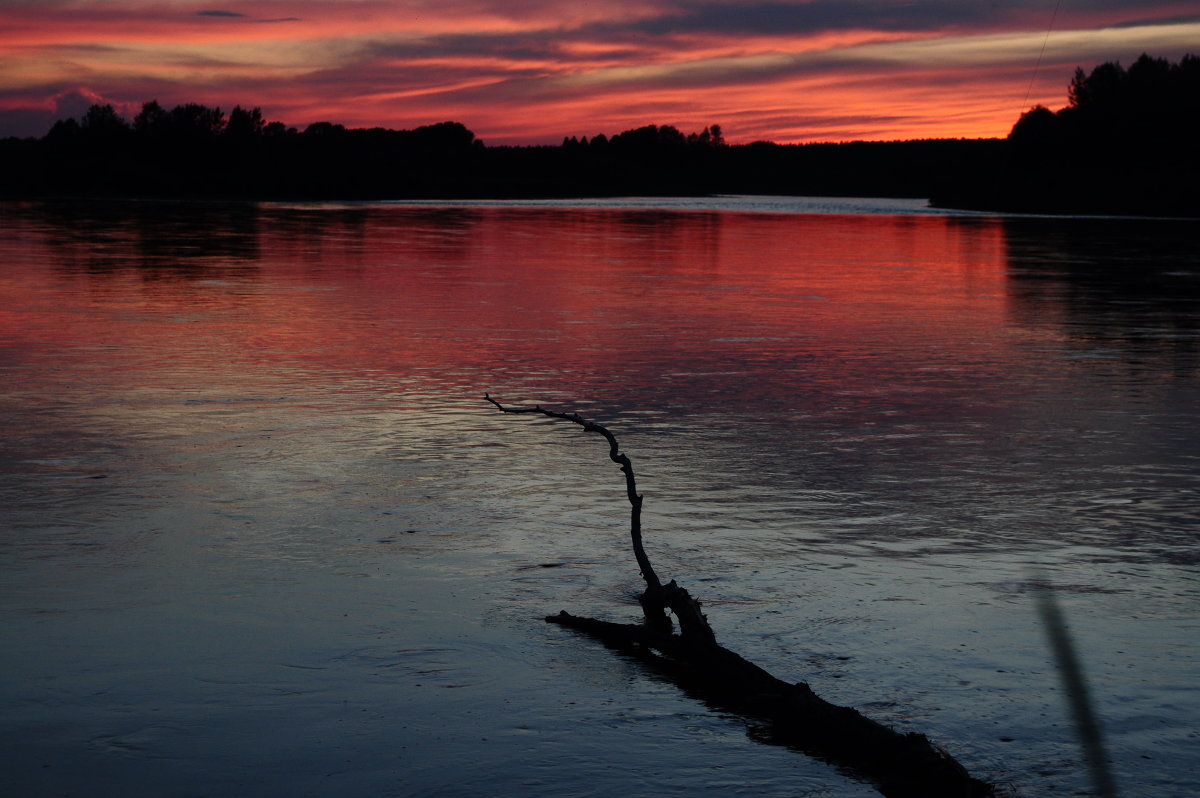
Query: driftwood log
x,y
899,765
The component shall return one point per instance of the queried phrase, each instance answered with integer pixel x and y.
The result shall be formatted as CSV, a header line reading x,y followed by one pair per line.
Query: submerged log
x,y
900,765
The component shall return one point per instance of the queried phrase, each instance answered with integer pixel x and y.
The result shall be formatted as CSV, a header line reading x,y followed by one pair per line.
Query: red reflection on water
x,y
746,307
642,302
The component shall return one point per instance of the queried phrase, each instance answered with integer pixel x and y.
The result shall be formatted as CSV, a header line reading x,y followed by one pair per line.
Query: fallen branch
x,y
900,765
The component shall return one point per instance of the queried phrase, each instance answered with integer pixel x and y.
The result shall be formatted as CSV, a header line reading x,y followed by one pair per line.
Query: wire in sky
x,y
1038,65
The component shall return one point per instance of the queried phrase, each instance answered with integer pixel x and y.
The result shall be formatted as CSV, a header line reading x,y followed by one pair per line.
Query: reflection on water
x,y
158,239
247,475
1131,286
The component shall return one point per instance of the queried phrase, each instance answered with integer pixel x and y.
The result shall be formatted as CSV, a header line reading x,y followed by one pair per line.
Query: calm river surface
x,y
261,536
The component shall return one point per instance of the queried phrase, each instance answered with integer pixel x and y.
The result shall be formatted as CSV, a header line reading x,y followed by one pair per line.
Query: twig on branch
x,y
614,454
657,596
900,765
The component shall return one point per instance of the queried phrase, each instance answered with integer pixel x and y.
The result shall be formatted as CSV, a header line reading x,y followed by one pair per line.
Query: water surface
x,y
262,536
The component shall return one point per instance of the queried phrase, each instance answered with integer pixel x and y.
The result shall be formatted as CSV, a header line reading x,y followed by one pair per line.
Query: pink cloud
x,y
532,71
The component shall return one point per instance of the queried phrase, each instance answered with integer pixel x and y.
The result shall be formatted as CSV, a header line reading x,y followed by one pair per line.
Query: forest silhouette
x,y
1125,143
1128,141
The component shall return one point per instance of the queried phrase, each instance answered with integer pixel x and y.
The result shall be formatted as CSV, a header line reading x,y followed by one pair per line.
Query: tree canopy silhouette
x,y
1125,142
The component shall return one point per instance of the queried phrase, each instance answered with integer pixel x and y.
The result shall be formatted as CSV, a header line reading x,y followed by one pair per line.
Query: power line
x,y
1038,65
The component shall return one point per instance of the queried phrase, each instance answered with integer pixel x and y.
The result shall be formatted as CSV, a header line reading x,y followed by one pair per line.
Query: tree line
x,y
1128,141
1124,143
194,150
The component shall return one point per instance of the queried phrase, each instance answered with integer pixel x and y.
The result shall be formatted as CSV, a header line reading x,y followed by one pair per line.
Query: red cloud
x,y
531,71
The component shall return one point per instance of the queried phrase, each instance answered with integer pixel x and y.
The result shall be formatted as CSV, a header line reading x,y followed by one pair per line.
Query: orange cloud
x,y
531,71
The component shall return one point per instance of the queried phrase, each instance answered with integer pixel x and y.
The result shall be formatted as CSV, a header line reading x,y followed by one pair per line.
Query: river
x,y
261,535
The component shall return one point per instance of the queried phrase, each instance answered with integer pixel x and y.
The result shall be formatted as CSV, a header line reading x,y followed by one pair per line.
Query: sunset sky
x,y
534,71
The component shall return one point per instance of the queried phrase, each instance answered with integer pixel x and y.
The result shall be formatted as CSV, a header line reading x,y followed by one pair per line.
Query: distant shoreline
x,y
1124,145
735,203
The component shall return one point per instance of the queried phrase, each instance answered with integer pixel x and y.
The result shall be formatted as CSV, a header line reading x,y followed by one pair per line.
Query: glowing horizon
x,y
532,72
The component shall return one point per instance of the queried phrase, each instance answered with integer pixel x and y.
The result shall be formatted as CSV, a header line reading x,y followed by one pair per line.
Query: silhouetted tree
x,y
64,132
103,123
190,123
245,123
1103,88
649,139
443,136
277,130
1127,141
324,129
152,121
709,137
1036,130
194,121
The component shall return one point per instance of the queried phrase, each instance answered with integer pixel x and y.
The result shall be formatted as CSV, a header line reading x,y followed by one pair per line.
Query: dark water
x,y
261,536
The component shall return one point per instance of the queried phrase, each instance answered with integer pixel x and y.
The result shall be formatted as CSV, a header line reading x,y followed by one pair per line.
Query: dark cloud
x,y
1137,23
634,41
778,17
519,46
67,104
237,15
25,122
368,78
817,17
816,121
624,41
76,103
